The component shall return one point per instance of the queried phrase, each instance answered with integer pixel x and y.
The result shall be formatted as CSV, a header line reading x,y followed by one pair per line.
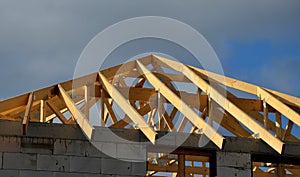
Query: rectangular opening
x,y
177,165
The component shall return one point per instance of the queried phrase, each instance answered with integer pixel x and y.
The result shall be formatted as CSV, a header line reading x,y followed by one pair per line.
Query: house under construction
x,y
151,117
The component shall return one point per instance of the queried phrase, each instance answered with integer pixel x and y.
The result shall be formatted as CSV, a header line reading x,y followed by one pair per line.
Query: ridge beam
x,y
226,104
128,109
181,106
80,118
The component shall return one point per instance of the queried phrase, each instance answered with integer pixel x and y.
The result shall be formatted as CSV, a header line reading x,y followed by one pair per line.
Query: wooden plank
x,y
110,110
279,106
271,125
80,118
288,130
243,86
14,102
126,120
174,168
27,112
102,108
128,109
123,69
46,92
280,171
169,124
42,111
278,125
182,124
266,115
57,112
181,106
87,97
230,123
227,105
181,165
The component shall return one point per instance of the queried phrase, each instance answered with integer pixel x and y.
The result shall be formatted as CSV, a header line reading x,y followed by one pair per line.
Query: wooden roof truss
x,y
154,103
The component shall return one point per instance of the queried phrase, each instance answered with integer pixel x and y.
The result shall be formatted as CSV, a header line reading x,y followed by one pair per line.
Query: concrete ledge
x,y
60,131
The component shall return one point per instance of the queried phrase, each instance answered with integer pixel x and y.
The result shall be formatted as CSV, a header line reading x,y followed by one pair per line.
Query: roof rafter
x,y
225,103
128,109
181,106
77,114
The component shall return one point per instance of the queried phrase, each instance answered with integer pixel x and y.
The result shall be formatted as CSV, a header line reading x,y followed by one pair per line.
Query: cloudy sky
x,y
41,40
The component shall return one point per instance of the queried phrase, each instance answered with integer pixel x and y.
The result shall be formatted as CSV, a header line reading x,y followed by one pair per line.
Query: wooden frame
x,y
153,103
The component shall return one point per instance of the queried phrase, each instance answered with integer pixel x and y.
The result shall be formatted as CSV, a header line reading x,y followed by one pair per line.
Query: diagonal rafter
x,y
57,112
76,113
128,109
244,86
244,118
181,106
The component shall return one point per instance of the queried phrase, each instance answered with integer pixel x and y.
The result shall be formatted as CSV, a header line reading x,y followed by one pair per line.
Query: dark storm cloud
x,y
41,40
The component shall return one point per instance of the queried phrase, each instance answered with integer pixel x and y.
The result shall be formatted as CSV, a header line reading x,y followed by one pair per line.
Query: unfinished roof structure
x,y
155,94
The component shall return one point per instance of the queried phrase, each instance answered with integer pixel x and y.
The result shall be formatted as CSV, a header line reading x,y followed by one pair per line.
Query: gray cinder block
x,y
233,164
69,147
85,164
30,173
10,144
227,171
132,152
9,173
139,168
229,159
19,161
53,163
115,167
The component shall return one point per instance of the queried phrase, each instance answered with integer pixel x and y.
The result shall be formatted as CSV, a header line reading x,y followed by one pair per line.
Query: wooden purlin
x,y
181,106
244,118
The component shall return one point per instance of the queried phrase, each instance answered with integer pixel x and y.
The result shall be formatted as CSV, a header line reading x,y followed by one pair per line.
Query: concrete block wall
x,y
74,158
231,164
59,156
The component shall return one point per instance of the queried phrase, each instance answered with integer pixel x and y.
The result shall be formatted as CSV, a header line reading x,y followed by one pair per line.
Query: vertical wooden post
x,y
181,165
27,112
288,130
278,125
210,113
204,166
42,111
266,114
159,111
86,100
102,108
280,172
